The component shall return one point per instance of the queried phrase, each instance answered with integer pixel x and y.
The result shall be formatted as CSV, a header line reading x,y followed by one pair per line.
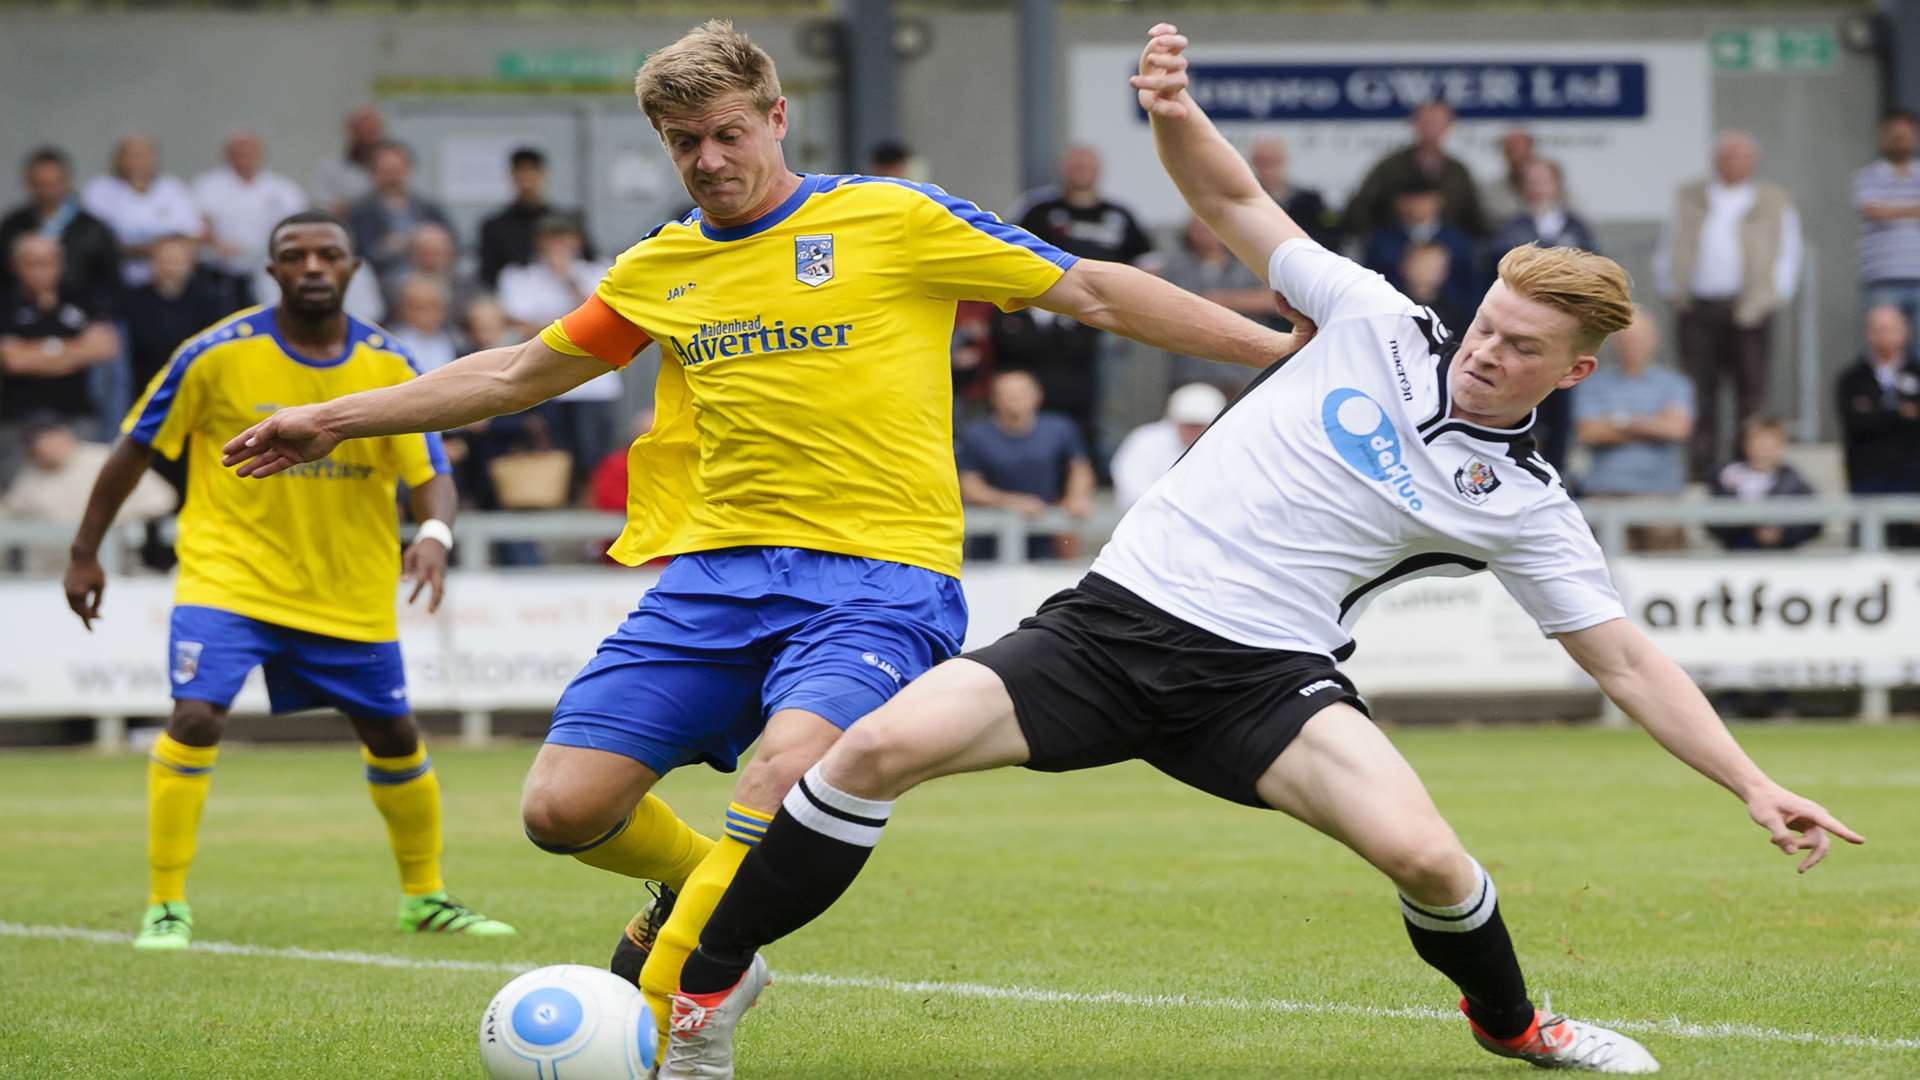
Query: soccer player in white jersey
x,y
1205,637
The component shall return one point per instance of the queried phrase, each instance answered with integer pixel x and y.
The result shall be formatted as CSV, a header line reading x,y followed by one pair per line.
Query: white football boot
x,y
700,1034
1553,1041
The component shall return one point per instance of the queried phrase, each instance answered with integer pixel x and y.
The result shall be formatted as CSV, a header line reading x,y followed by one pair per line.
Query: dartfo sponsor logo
x,y
1760,607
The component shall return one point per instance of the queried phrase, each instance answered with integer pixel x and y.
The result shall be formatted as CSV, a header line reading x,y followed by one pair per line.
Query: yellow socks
x,y
407,794
653,844
178,776
698,897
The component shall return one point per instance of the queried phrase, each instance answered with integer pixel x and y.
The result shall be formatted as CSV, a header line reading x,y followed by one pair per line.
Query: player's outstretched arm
x,y
477,386
1135,304
1660,697
86,581
1211,175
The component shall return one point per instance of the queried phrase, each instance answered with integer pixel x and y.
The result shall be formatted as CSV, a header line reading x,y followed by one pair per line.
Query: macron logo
x,y
1314,688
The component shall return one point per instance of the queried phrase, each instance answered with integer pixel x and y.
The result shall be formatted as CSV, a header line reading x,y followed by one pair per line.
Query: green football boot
x,y
167,927
436,912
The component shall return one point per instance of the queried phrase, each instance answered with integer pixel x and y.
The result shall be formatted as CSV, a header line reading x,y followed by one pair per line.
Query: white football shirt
x,y
1339,474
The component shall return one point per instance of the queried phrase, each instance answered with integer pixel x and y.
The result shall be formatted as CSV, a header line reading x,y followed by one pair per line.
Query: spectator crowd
x,y
102,280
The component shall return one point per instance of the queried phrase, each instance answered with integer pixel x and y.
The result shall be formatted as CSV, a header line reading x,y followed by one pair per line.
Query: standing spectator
x,y
50,337
1887,194
178,302
1076,218
1203,265
1024,460
56,481
242,201
1418,219
1506,195
1728,260
342,179
1426,161
1304,205
507,238
583,419
1880,417
383,220
420,322
52,210
1635,419
483,325
1426,273
432,253
1150,450
1759,474
140,204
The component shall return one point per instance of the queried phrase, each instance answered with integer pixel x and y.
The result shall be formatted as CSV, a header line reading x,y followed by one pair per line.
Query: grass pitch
x,y
1636,892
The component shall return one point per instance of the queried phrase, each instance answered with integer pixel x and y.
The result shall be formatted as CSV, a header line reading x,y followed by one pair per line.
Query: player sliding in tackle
x,y
1204,638
801,467
296,577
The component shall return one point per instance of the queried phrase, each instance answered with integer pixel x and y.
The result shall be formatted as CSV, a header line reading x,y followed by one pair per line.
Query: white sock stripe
x,y
816,781
1467,915
829,825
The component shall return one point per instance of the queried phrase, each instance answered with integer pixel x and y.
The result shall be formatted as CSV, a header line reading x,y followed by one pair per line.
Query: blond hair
x,y
1591,288
709,62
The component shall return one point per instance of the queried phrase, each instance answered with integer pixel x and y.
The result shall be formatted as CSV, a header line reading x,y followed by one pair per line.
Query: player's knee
x,y
196,723
769,776
388,736
1428,864
877,759
554,821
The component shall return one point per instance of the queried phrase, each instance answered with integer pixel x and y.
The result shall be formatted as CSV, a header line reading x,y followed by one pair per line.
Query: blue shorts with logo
x,y
727,638
210,652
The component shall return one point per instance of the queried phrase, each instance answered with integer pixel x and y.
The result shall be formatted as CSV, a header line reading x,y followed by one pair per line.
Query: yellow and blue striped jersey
x,y
805,390
314,548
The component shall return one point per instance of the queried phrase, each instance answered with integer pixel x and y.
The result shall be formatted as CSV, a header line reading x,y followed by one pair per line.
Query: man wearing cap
x,y
1151,449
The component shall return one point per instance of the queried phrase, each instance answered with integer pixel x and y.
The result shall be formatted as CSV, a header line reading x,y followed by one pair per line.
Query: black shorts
x,y
1099,676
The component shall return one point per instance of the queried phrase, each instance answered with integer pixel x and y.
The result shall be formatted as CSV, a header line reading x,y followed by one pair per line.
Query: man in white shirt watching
x,y
242,200
1151,449
1727,261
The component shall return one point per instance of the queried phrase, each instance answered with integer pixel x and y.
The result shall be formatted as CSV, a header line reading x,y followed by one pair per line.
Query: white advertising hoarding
x,y
1628,120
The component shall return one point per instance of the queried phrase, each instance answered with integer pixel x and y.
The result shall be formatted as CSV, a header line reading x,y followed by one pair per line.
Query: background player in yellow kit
x,y
801,466
298,576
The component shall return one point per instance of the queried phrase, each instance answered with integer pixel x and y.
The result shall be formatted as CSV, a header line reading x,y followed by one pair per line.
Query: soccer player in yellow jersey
x,y
298,576
800,467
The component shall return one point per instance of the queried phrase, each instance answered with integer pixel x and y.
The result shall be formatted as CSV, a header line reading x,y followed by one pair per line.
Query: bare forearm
x,y
125,465
475,387
1137,305
1217,183
1661,698
436,499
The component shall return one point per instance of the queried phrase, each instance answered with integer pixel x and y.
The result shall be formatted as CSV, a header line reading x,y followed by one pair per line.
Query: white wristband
x,y
435,529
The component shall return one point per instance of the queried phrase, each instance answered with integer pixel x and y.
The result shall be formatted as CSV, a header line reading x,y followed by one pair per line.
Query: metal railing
x,y
1852,523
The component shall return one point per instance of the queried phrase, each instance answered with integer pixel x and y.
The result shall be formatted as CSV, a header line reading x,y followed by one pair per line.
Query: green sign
x,y
568,65
1775,49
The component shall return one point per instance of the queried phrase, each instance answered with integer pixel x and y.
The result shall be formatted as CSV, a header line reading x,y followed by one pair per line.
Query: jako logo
x,y
1359,429
883,666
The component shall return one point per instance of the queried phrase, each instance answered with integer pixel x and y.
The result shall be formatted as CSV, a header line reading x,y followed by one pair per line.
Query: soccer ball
x,y
591,1021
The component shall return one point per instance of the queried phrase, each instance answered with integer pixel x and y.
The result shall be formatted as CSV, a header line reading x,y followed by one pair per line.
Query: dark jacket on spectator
x,y
1387,247
1881,429
93,254
156,325
1744,537
1521,229
1372,205
507,238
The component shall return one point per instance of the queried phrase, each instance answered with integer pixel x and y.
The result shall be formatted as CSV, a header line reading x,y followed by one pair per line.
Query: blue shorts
x,y
210,652
728,638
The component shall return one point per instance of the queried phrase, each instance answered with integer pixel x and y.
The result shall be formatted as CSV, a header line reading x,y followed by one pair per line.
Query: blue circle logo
x,y
548,1015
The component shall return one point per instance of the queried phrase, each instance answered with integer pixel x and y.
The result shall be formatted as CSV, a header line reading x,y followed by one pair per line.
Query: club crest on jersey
x,y
813,259
1475,481
186,660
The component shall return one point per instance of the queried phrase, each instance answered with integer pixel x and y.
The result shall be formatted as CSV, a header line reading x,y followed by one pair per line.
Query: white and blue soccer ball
x,y
567,1022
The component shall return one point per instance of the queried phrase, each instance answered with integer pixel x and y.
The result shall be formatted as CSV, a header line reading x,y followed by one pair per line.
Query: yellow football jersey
x,y
314,548
805,391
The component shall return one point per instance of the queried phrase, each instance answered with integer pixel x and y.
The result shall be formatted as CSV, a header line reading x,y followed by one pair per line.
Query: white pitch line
x,y
1675,1028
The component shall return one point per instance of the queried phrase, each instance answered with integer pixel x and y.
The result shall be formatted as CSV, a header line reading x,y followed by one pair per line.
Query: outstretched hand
x,y
1797,824
281,441
1162,81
